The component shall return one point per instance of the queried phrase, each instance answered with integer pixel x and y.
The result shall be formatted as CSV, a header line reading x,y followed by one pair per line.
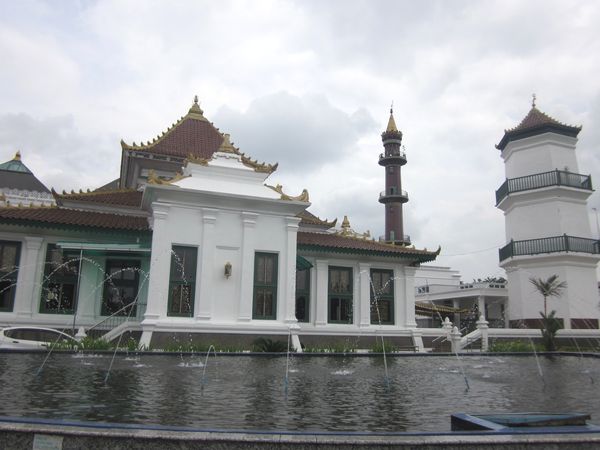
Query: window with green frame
x,y
120,287
182,282
340,294
264,305
302,295
59,287
9,270
382,296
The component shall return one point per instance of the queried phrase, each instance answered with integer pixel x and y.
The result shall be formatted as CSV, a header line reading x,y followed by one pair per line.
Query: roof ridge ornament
x,y
226,146
195,111
533,98
347,231
303,197
17,156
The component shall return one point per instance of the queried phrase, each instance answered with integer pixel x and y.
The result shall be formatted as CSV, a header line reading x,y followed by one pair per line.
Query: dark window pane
x,y
265,286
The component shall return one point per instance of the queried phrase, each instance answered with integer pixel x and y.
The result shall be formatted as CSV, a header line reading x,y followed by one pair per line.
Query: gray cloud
x,y
57,152
301,133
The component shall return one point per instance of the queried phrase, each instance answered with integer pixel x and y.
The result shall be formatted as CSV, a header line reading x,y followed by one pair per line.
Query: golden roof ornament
x,y
227,146
17,156
303,197
153,178
391,122
195,109
347,231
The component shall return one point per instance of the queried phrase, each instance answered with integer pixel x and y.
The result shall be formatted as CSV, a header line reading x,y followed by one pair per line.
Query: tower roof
x,y
391,122
16,175
536,122
391,132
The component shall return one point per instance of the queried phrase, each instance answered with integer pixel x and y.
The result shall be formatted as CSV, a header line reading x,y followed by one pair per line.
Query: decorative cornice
x,y
303,197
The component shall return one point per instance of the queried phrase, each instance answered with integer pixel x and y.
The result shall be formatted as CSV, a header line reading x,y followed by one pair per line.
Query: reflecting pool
x,y
333,393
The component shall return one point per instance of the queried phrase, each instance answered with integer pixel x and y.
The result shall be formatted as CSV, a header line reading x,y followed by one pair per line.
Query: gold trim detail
x,y
303,197
347,231
153,178
197,160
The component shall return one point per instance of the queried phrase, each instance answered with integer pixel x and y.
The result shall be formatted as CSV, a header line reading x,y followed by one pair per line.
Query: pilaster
x,y
364,271
290,275
247,281
204,298
409,297
160,262
26,298
322,266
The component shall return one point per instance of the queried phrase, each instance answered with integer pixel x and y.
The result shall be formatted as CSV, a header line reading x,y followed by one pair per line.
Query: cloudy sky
x,y
308,84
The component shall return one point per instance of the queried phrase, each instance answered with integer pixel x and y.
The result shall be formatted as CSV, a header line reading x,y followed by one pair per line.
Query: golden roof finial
x,y
391,126
195,109
17,156
345,226
533,98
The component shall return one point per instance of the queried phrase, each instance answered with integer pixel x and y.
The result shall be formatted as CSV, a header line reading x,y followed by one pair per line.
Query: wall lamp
x,y
227,272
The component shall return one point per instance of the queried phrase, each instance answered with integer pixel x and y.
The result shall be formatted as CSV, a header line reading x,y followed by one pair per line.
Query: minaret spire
x,y
393,197
391,126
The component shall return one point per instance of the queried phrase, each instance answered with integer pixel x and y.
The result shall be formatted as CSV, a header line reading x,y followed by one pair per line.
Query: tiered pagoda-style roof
x,y
536,122
192,138
191,135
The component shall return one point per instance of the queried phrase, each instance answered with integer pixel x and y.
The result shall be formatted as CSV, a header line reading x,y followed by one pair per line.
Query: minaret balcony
x,y
543,180
554,244
404,241
393,196
395,158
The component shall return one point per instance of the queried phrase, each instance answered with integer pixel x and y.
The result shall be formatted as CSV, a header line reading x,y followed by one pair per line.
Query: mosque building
x,y
194,237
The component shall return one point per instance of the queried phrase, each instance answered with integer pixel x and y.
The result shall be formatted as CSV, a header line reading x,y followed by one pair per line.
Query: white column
x,y
204,297
26,300
409,297
290,268
365,294
481,305
322,286
482,325
247,278
160,263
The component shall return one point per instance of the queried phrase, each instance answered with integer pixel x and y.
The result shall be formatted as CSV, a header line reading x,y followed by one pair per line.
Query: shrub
x,y
269,345
513,346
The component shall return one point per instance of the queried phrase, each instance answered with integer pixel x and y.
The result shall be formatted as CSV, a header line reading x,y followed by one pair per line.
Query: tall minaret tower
x,y
544,200
393,197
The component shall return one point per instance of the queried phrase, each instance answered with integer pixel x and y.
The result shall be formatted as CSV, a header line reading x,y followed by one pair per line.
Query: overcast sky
x,y
309,84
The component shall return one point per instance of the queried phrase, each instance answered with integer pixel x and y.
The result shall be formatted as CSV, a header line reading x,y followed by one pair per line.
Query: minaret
x,y
544,200
393,197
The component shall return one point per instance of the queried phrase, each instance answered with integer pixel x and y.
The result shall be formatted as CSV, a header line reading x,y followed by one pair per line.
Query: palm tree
x,y
548,288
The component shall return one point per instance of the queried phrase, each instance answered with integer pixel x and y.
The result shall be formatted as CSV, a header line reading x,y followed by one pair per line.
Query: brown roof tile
x,y
120,197
334,242
73,217
536,122
191,135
